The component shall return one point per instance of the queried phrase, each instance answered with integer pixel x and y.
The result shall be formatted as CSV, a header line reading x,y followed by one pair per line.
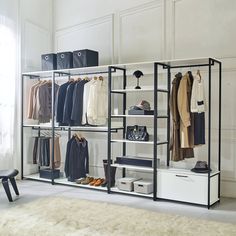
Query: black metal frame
x,y
111,69
53,76
168,67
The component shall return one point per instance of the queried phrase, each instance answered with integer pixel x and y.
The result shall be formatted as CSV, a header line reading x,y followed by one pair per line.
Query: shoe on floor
x,y
99,182
78,181
87,180
93,182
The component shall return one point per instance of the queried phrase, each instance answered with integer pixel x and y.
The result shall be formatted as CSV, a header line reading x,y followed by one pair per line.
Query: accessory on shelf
x,y
49,173
138,74
78,181
87,180
201,167
143,108
136,161
142,186
126,184
137,133
49,61
85,58
64,60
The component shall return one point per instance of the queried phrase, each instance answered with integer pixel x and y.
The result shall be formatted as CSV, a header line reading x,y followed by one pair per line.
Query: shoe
x,y
93,182
99,182
104,183
78,181
87,180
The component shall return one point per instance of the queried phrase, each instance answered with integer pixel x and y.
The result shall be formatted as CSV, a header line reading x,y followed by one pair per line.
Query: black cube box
x,y
85,58
49,61
140,112
64,60
49,173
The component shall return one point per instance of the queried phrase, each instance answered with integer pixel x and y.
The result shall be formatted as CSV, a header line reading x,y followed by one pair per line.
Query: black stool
x,y
9,174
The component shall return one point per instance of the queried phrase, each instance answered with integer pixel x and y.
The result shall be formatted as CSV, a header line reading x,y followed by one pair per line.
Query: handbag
x,y
137,133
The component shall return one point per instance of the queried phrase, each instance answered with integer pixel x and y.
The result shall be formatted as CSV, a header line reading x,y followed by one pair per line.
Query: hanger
x,y
100,78
78,136
95,77
199,74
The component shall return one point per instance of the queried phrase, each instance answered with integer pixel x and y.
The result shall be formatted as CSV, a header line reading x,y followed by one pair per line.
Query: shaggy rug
x,y
73,217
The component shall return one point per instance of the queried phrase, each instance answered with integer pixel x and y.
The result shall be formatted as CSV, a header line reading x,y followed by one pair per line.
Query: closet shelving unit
x,y
165,179
206,187
52,127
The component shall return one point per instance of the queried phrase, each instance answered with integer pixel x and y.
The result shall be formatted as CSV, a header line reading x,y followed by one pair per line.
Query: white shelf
x,y
36,177
141,142
115,189
104,68
147,89
139,116
133,167
64,181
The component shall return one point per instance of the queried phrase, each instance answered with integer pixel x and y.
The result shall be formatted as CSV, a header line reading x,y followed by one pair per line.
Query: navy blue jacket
x,y
77,159
68,104
60,101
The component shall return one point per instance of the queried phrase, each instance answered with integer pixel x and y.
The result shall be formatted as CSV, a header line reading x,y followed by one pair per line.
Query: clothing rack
x,y
122,70
169,66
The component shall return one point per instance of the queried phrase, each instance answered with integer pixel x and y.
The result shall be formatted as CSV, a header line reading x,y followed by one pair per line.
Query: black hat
x,y
201,167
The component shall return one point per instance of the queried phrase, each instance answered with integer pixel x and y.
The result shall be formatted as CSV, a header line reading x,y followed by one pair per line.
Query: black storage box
x,y
130,160
48,173
140,112
85,58
64,60
49,61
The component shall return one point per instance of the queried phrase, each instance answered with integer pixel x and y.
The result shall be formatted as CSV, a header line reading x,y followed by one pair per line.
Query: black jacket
x,y
68,104
60,101
77,159
77,109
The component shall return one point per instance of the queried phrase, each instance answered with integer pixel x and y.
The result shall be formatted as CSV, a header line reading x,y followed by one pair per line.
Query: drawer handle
x,y
182,176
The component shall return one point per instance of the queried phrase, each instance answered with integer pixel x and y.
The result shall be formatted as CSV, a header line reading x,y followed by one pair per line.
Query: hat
x,y
201,167
143,105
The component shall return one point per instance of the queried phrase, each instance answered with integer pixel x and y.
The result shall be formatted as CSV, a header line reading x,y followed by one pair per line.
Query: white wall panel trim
x,y
142,8
87,24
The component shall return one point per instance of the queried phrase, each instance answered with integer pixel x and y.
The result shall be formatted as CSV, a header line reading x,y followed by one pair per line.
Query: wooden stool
x,y
9,174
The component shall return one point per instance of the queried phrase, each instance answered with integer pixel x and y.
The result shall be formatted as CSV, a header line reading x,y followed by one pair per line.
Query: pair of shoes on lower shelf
x,y
84,180
96,182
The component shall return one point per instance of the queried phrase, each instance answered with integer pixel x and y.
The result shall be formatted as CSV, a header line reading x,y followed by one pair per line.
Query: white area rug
x,y
73,217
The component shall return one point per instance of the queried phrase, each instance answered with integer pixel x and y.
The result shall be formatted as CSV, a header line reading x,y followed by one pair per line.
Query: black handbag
x,y
137,133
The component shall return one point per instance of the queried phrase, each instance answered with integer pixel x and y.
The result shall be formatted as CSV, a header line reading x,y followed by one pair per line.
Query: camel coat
x,y
186,117
177,153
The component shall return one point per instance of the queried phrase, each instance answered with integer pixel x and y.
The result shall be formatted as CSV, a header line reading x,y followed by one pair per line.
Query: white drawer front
x,y
184,187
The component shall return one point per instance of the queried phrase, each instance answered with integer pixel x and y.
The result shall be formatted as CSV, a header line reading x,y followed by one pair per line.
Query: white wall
x,y
130,31
36,22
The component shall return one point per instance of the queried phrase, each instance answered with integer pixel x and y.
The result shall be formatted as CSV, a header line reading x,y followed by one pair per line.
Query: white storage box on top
x,y
126,184
143,186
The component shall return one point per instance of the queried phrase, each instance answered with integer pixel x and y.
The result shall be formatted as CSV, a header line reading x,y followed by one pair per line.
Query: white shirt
x,y
198,99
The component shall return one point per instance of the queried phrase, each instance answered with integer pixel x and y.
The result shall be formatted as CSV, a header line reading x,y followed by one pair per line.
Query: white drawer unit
x,y
186,186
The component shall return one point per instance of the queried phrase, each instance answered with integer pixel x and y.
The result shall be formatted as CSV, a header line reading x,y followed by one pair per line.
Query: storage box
x,y
49,173
142,186
136,161
49,61
85,58
64,60
126,184
140,112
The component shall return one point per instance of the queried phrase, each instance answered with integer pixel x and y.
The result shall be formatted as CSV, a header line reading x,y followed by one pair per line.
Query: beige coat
x,y
177,153
186,118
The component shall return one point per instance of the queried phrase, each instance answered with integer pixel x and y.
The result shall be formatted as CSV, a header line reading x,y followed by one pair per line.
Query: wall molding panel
x,y
36,40
146,9
85,29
